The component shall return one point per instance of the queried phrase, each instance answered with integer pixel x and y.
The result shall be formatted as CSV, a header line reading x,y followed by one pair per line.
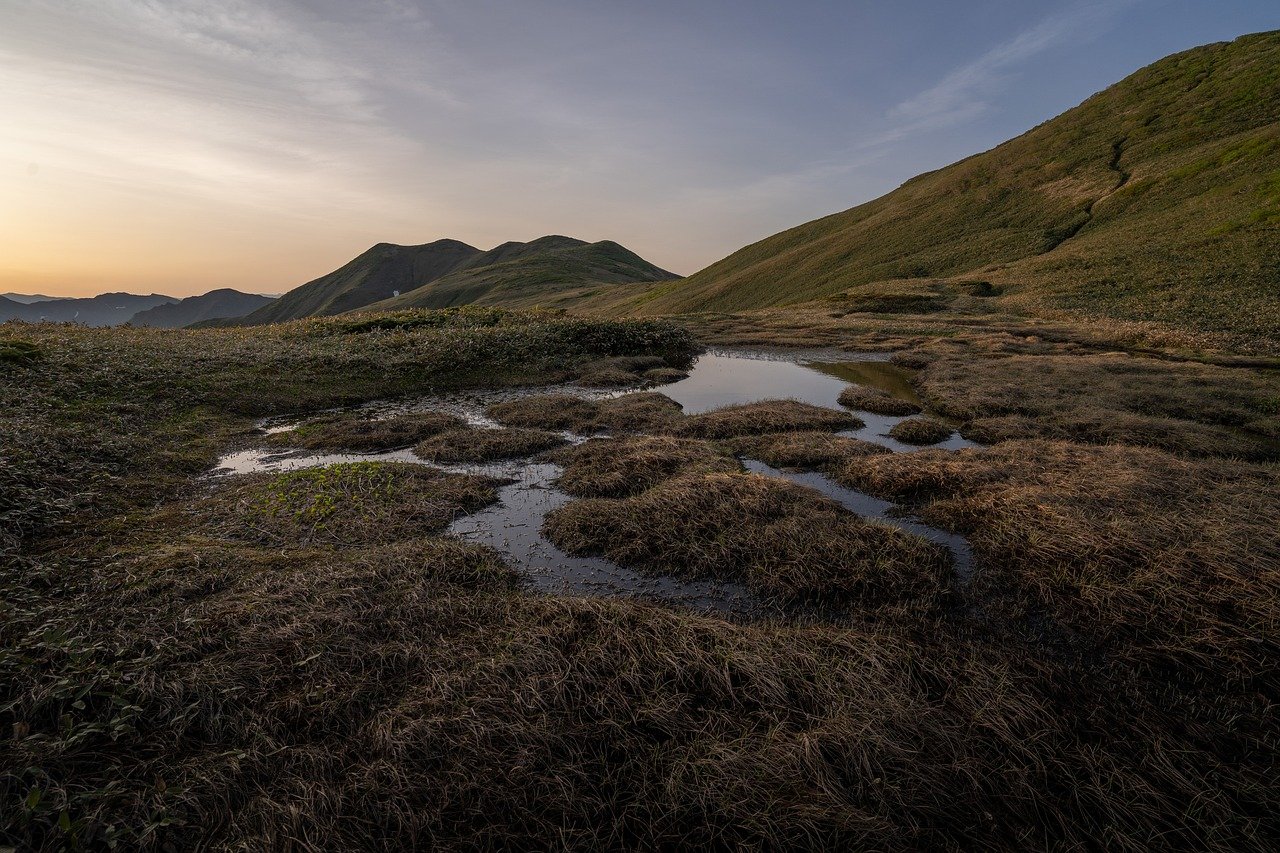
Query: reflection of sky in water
x,y
514,524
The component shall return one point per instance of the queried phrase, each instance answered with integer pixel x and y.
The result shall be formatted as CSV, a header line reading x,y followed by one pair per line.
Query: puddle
x,y
514,527
514,524
872,507
727,379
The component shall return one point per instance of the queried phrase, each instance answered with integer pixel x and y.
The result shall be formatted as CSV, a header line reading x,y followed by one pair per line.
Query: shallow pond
x,y
513,525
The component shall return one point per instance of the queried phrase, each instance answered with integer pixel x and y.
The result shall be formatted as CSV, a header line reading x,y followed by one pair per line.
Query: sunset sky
x,y
180,145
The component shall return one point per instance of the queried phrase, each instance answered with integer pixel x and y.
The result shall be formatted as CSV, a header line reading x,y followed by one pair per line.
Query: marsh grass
x,y
360,432
619,467
769,416
347,503
486,445
867,399
782,540
637,412
920,431
802,449
1196,409
1169,562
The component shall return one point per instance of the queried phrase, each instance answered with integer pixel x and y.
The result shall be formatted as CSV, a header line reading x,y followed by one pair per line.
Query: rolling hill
x,y
548,272
216,304
1156,199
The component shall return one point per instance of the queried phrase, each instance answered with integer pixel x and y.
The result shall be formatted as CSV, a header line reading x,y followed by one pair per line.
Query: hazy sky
x,y
181,145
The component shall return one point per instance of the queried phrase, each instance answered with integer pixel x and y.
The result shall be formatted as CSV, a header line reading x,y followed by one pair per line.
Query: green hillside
x,y
373,275
1156,199
548,272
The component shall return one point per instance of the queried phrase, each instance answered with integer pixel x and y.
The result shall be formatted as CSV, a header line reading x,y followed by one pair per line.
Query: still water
x,y
514,524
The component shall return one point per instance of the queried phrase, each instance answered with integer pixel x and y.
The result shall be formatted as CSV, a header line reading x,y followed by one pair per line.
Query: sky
x,y
176,146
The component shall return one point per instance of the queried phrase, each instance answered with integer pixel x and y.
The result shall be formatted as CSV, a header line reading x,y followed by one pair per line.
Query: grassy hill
x,y
1156,199
373,275
216,304
548,272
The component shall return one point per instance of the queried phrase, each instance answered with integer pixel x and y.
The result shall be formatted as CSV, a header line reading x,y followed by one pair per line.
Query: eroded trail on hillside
x,y
514,525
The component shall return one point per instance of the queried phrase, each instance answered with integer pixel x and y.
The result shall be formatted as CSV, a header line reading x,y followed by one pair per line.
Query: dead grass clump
x,y
546,411
360,433
802,449
768,416
920,431
782,540
486,445
1155,558
635,412
867,399
345,504
608,377
664,375
639,412
619,467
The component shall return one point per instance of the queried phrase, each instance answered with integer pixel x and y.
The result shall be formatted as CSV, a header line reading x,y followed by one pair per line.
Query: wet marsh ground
x,y
472,578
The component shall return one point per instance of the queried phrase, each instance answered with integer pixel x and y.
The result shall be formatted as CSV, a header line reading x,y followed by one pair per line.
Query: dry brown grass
x,y
768,416
1196,409
618,467
1148,556
545,411
351,503
867,399
637,412
664,375
920,431
802,449
361,433
784,541
486,445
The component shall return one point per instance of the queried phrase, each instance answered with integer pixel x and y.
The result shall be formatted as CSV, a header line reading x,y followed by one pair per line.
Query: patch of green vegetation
x,y
1147,202
14,351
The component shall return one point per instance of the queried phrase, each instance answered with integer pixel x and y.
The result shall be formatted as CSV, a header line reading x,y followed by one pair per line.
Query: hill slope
x,y
376,274
1158,198
106,309
550,271
216,304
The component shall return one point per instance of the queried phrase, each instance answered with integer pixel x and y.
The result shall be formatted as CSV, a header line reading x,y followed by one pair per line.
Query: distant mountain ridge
x,y
1155,199
105,309
449,272
223,303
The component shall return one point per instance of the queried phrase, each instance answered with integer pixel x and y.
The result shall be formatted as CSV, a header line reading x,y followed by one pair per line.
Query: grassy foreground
x,y
303,661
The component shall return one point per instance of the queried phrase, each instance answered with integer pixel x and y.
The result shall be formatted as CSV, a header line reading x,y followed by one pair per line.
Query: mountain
x,y
27,298
106,309
216,304
374,275
1156,199
549,271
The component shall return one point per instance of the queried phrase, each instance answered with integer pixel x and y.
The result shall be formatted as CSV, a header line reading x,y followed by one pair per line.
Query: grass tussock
x,y
1154,558
637,412
867,399
620,467
802,449
345,504
769,416
358,432
783,541
920,431
486,445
